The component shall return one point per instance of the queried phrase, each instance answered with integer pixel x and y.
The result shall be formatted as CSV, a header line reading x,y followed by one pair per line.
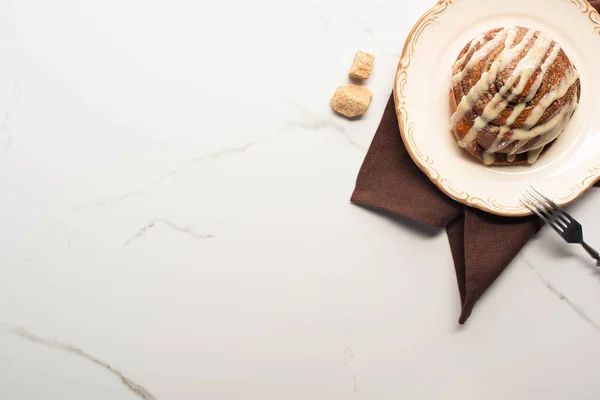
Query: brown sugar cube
x,y
362,65
352,100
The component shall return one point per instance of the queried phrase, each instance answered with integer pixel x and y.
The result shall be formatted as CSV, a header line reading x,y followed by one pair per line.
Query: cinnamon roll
x,y
513,92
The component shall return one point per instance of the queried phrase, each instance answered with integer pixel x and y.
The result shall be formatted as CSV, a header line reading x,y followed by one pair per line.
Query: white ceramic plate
x,y
569,167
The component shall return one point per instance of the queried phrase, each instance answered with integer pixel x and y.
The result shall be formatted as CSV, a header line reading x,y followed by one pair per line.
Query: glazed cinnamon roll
x,y
513,92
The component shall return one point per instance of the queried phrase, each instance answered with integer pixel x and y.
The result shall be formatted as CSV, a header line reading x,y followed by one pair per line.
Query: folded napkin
x,y
482,244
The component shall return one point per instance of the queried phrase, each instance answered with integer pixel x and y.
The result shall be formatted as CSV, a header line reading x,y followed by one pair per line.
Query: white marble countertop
x,y
176,221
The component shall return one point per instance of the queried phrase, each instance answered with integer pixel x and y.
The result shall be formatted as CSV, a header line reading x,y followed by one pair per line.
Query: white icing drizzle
x,y
496,145
480,54
487,78
551,129
498,103
488,158
478,40
533,155
511,157
514,86
545,66
563,87
517,110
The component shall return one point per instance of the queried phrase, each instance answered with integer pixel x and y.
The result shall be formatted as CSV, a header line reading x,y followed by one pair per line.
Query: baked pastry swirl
x,y
512,94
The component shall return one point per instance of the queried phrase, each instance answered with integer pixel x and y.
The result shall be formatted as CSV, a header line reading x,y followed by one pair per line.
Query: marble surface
x,y
176,224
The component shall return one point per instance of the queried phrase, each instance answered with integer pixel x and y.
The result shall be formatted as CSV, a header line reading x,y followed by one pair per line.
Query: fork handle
x,y
595,255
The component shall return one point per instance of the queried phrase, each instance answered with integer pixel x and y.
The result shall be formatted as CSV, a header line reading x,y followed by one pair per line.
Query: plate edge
x,y
426,164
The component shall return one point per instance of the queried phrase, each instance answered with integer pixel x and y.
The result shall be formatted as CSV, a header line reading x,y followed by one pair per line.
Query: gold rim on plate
x,y
427,165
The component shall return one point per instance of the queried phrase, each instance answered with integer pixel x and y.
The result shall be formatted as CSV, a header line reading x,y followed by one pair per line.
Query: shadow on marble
x,y
559,250
414,226
334,114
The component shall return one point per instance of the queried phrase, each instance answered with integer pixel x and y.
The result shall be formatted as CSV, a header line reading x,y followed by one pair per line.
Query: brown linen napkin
x,y
482,244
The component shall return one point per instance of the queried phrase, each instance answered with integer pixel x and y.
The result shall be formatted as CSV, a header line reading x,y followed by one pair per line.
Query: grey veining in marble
x,y
175,214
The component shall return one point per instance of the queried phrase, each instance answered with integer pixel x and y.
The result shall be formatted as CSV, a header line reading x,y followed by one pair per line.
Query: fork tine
x,y
543,208
538,213
563,213
535,210
540,204
544,213
552,213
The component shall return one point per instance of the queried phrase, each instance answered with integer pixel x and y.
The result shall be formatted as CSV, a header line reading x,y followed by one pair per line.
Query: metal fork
x,y
565,225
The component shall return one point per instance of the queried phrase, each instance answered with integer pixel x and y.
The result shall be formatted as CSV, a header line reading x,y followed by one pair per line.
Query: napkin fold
x,y
482,244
